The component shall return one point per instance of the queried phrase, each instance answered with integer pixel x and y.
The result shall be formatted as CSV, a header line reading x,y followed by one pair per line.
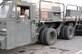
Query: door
x,y
23,26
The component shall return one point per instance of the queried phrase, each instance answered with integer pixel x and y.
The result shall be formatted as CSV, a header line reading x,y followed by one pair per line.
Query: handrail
x,y
63,9
50,2
74,6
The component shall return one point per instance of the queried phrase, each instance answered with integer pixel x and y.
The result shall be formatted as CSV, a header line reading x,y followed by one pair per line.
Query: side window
x,y
20,11
23,11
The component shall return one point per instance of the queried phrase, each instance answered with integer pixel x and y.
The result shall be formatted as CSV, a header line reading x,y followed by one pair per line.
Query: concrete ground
x,y
73,46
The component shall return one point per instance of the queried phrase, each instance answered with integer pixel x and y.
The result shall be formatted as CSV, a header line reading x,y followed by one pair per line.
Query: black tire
x,y
61,36
40,35
79,32
71,24
50,36
69,32
80,27
76,30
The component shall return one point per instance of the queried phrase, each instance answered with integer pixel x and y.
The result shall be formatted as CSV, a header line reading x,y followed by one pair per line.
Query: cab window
x,y
22,10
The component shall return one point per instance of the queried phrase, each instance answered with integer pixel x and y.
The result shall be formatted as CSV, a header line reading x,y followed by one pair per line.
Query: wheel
x,y
80,27
40,35
49,36
61,36
76,30
71,24
79,32
69,32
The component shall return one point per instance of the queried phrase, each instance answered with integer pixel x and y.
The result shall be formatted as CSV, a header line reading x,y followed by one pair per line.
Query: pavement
x,y
73,46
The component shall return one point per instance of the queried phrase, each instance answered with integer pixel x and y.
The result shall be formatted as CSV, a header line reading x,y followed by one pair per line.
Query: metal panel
x,y
18,33
73,13
56,9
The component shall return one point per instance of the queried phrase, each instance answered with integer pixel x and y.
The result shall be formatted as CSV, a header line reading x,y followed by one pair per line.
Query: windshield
x,y
4,7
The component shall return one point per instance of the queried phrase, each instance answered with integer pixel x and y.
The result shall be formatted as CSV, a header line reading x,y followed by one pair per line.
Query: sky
x,y
73,2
